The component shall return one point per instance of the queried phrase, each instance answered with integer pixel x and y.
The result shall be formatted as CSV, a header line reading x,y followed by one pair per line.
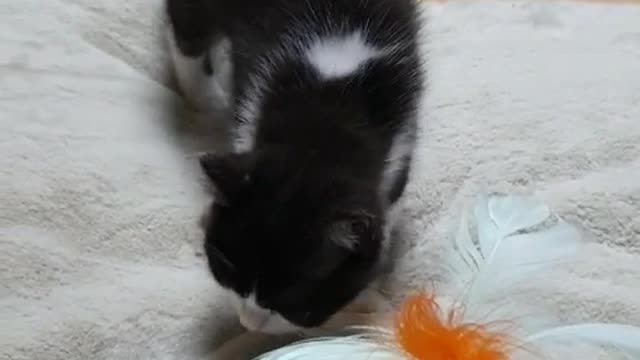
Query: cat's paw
x,y
205,80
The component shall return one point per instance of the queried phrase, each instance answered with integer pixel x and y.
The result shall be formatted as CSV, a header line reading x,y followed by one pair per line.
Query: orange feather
x,y
425,333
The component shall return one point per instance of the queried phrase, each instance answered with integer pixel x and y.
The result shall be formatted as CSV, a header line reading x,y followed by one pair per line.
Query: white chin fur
x,y
255,318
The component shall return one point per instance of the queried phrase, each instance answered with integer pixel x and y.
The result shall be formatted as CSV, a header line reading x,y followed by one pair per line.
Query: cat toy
x,y
515,238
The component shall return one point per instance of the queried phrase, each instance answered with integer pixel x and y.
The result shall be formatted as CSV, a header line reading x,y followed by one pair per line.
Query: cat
x,y
325,96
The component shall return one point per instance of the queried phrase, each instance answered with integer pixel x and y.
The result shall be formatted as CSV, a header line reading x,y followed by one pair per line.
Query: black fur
x,y
320,150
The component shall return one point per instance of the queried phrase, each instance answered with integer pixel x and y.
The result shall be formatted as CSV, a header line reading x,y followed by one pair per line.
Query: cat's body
x,y
325,95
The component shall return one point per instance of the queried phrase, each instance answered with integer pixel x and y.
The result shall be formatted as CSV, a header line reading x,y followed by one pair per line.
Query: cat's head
x,y
292,245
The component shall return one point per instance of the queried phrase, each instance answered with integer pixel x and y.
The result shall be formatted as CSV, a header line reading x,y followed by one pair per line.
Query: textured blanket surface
x,y
100,252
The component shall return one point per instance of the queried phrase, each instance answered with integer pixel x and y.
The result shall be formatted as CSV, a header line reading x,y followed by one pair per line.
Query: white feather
x,y
510,248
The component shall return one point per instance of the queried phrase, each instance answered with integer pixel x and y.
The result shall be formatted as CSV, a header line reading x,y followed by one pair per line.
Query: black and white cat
x,y
325,97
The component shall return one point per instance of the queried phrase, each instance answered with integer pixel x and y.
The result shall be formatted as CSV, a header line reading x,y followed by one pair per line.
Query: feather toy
x,y
515,237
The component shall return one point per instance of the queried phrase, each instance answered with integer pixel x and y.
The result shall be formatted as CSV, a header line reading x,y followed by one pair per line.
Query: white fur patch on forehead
x,y
340,56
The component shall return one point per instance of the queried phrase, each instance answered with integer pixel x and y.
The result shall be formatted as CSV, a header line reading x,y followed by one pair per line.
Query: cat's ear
x,y
350,228
228,175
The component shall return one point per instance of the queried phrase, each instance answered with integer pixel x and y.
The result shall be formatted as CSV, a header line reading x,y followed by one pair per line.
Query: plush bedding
x,y
100,193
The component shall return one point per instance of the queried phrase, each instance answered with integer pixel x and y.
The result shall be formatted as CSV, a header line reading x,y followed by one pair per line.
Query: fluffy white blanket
x,y
100,194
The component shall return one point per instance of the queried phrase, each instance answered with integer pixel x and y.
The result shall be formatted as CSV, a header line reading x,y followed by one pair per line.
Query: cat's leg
x,y
200,54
